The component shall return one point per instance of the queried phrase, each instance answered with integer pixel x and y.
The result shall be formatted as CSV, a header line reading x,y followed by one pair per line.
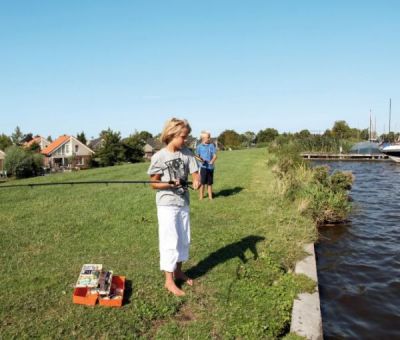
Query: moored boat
x,y
393,151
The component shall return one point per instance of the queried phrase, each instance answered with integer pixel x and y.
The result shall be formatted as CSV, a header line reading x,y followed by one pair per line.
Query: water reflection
x,y
359,262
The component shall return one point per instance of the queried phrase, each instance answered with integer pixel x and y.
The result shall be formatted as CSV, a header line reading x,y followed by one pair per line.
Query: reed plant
x,y
315,143
317,193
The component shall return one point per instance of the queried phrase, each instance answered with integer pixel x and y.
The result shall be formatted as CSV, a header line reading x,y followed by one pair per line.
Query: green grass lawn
x,y
244,244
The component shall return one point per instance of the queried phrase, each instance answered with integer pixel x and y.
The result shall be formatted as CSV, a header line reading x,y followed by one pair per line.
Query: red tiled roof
x,y
53,146
33,140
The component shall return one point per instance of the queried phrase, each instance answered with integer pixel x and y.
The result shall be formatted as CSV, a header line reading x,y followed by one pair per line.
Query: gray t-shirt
x,y
171,166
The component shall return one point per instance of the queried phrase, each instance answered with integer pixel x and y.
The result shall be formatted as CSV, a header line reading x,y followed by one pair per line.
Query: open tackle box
x,y
96,284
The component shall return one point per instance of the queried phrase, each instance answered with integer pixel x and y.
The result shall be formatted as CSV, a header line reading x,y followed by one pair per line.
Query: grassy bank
x,y
244,244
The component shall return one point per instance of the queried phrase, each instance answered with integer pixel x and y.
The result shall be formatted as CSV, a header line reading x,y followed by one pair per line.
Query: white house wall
x,y
78,148
44,143
72,148
63,150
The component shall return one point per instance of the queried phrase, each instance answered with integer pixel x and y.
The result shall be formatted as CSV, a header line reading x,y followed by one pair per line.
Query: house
x,y
2,158
96,144
67,152
42,142
151,147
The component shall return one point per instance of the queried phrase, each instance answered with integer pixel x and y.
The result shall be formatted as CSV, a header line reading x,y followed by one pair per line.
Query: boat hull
x,y
393,152
394,158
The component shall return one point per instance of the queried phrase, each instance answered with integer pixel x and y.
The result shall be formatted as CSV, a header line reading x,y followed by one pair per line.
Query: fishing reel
x,y
183,186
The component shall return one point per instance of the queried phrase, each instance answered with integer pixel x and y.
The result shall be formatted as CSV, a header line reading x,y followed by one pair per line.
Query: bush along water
x,y
316,192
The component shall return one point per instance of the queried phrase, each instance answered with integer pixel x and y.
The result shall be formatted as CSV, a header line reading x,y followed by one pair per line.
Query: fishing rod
x,y
183,184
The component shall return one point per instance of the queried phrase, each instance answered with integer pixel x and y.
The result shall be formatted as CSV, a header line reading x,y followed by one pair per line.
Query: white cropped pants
x,y
173,235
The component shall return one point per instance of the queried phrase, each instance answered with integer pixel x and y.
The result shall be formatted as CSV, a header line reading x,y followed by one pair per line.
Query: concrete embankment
x,y
306,313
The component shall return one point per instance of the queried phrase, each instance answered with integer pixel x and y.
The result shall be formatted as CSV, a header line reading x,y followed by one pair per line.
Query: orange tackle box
x,y
116,297
84,296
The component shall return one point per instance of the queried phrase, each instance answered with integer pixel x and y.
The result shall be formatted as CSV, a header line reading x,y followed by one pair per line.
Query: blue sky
x,y
71,66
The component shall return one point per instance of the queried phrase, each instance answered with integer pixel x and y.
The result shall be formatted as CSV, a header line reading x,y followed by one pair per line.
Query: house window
x,y
67,148
76,148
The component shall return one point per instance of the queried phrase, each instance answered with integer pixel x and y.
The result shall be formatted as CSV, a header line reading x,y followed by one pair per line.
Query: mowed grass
x,y
244,244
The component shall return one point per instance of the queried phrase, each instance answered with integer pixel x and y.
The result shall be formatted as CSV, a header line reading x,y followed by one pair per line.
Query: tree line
x,y
340,134
113,149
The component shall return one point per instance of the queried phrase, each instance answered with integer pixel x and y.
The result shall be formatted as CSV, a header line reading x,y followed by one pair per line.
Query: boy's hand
x,y
175,183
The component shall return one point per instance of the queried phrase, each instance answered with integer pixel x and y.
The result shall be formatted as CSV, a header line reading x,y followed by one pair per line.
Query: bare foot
x,y
180,275
171,286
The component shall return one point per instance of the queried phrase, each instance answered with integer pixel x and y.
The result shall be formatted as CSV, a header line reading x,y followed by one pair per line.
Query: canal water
x,y
359,262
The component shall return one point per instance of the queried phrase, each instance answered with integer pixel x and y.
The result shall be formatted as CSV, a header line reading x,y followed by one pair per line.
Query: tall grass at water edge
x,y
314,190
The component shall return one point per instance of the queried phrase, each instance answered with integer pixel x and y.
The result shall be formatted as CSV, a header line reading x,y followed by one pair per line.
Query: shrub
x,y
22,163
341,181
319,194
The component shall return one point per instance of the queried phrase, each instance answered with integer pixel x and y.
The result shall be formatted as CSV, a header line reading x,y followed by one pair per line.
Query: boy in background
x,y
207,152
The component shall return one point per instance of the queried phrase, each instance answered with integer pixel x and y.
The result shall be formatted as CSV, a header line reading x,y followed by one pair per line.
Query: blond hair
x,y
204,134
173,128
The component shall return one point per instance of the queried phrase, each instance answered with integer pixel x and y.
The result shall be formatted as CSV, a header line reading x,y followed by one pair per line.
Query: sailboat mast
x,y
370,125
390,111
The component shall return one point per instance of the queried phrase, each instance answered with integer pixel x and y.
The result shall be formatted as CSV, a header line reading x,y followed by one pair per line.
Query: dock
x,y
344,156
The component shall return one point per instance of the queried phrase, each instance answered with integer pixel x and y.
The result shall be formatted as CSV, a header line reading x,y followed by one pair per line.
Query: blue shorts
x,y
206,176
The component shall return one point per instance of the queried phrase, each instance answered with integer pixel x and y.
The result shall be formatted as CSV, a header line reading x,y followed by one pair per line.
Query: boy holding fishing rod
x,y
174,163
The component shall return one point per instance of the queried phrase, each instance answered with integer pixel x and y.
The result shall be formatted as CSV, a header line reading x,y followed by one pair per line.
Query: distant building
x,y
2,158
42,142
151,147
96,144
67,152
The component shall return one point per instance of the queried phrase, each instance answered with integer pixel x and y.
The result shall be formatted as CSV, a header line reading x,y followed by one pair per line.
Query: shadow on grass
x,y
128,292
224,254
228,192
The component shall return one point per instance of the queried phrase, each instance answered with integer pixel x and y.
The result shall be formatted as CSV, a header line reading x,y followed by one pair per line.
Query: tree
x,y
34,147
133,146
389,137
27,137
303,134
5,141
50,139
341,130
355,133
112,151
248,138
230,139
267,135
81,137
17,136
22,163
364,134
328,133
144,135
